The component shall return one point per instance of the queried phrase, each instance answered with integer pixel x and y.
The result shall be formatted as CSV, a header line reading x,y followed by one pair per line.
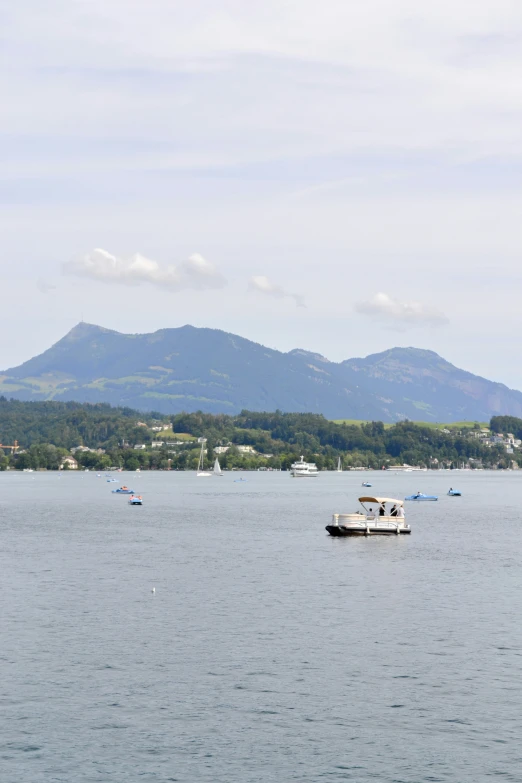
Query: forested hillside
x,y
68,424
102,437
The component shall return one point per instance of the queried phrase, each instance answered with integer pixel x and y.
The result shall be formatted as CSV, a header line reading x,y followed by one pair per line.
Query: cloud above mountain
x,y
264,285
401,315
196,272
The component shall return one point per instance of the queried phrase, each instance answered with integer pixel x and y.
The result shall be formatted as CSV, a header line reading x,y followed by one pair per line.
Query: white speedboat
x,y
201,464
381,516
302,469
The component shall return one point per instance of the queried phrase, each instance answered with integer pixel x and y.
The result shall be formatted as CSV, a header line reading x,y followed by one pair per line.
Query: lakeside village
x,y
74,436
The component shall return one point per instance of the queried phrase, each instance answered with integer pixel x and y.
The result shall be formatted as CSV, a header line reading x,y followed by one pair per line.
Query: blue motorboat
x,y
123,491
421,496
112,481
366,484
454,493
135,500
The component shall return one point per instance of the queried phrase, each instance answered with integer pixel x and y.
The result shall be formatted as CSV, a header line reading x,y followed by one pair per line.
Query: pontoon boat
x,y
381,516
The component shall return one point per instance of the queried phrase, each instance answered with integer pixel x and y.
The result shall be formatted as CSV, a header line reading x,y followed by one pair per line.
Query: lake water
x,y
269,651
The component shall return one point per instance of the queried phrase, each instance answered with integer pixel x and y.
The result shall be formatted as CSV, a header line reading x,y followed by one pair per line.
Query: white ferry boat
x,y
302,469
406,468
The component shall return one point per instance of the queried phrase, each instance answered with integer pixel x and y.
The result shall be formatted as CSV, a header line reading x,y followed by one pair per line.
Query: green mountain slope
x,y
434,388
189,369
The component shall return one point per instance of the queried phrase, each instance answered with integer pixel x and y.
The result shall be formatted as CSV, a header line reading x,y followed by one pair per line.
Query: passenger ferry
x,y
302,469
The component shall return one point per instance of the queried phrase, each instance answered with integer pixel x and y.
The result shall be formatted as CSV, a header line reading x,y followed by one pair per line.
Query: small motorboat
x,y
123,491
112,481
381,516
366,484
454,493
239,480
135,500
421,496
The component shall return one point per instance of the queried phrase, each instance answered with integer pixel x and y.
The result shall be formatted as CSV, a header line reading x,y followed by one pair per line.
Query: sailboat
x,y
217,468
339,466
200,471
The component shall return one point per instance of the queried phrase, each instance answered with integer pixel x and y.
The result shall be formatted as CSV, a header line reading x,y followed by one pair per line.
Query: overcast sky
x,y
338,176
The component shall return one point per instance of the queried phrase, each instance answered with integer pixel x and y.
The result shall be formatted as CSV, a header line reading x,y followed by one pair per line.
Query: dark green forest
x,y
47,431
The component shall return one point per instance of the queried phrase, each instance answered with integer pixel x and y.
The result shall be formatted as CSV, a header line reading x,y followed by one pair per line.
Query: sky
x,y
340,176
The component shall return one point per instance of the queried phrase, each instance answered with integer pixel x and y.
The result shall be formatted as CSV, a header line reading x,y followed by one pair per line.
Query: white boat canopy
x,y
380,501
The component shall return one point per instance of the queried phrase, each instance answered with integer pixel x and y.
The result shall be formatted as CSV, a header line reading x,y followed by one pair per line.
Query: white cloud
x,y
200,273
44,286
100,265
265,286
402,315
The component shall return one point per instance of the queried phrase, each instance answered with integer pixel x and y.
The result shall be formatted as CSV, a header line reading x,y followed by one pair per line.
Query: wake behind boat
x,y
381,516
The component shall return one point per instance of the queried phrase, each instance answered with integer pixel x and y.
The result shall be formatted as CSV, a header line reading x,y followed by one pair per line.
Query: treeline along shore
x,y
71,436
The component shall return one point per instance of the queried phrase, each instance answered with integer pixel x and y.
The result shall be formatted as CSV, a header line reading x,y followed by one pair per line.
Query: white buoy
x,y
153,589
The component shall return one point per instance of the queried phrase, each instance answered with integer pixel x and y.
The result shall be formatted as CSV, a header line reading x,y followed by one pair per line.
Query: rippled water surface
x,y
269,651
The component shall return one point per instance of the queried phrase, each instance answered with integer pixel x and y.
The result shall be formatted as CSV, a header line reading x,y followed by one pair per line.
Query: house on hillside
x,y
69,463
85,450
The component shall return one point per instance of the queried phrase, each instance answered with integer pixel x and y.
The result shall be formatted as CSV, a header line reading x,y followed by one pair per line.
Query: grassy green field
x,y
454,425
174,435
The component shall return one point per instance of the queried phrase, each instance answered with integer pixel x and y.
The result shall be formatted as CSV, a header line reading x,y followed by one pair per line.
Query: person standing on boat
x,y
393,512
400,512
382,510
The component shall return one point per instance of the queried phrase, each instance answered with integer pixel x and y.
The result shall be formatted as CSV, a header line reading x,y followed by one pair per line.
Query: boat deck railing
x,y
361,520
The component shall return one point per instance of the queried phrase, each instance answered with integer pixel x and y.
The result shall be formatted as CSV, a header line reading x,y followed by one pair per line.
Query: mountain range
x,y
190,369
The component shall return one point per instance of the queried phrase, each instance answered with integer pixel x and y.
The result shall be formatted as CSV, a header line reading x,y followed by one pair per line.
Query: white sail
x,y
201,471
217,468
339,466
